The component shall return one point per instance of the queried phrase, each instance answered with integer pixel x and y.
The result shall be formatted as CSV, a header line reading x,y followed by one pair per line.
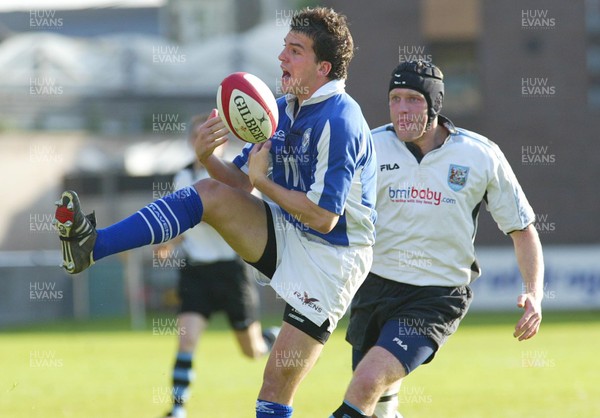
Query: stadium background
x,y
97,95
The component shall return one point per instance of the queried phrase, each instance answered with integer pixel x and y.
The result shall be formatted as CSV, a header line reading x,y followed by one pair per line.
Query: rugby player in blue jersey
x,y
313,240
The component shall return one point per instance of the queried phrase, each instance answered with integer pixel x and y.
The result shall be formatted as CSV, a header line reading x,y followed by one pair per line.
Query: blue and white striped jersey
x,y
326,150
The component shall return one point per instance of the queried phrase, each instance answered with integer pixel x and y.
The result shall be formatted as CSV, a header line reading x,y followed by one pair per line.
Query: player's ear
x,y
324,68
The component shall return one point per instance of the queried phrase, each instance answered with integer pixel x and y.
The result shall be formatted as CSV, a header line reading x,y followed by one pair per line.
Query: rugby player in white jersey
x,y
432,179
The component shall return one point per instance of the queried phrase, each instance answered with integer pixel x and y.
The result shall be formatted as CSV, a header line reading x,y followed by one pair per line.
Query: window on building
x,y
458,61
451,29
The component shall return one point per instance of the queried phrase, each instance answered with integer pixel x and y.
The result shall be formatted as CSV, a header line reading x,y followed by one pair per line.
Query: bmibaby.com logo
x,y
412,194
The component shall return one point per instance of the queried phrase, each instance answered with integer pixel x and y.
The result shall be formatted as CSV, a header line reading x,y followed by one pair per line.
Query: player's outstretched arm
x,y
530,259
294,202
209,136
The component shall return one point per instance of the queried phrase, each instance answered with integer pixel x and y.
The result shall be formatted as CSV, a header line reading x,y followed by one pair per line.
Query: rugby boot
x,y
76,231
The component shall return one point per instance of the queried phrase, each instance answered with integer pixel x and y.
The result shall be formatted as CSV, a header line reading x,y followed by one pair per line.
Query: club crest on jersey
x,y
278,136
457,176
306,140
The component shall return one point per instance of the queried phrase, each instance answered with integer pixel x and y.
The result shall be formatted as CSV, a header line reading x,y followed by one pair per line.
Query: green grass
x,y
100,369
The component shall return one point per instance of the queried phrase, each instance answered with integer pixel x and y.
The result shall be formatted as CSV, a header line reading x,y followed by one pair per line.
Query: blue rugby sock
x,y
158,222
266,409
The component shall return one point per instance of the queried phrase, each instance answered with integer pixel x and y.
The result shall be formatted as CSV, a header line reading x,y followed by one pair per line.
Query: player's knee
x,y
371,381
207,187
212,194
365,380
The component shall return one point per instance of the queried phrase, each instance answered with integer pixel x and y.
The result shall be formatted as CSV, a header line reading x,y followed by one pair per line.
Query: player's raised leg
x,y
237,215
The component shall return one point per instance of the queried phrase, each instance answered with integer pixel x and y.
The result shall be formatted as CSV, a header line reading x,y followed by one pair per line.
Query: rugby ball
x,y
247,107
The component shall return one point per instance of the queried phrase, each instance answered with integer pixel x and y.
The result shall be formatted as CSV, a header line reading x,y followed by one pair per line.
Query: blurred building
x,y
99,100
88,19
85,95
111,70
525,74
192,21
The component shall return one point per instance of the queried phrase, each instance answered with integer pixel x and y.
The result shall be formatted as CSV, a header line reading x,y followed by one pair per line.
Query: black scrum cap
x,y
423,77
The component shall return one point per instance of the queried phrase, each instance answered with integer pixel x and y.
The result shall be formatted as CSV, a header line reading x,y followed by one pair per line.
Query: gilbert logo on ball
x,y
247,107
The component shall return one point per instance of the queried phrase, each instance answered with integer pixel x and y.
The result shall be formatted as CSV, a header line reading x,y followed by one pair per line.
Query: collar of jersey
x,y
323,93
414,150
447,124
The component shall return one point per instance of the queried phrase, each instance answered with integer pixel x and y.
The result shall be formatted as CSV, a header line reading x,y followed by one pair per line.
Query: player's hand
x,y
529,324
258,162
209,136
163,250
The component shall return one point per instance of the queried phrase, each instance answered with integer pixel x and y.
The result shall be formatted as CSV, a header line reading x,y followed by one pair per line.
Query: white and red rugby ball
x,y
247,107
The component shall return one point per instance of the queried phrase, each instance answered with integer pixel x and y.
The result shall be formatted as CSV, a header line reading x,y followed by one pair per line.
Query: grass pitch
x,y
100,369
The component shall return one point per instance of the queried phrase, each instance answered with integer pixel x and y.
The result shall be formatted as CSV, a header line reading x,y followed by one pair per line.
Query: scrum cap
x,y
423,77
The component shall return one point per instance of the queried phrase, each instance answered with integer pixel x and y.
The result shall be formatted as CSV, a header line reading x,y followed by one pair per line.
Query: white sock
x,y
387,406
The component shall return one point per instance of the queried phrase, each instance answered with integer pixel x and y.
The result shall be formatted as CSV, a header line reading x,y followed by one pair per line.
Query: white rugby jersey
x,y
326,150
427,211
202,243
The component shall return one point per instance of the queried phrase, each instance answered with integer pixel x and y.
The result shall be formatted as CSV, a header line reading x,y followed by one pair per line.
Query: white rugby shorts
x,y
316,278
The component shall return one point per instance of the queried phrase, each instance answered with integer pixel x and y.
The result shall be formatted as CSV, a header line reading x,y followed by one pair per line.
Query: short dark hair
x,y
331,37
